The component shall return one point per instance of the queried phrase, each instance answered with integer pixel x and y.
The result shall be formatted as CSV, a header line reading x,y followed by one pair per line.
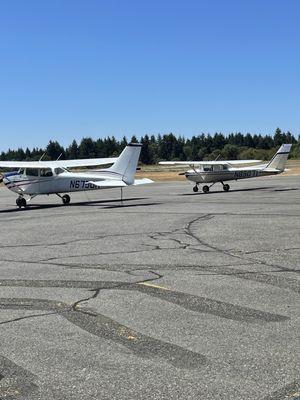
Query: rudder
x,y
280,158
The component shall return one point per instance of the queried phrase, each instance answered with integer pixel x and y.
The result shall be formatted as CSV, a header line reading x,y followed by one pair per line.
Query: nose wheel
x,y
226,187
21,202
195,189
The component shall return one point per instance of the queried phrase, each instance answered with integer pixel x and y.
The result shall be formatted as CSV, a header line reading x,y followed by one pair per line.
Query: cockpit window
x,y
207,168
46,172
21,171
59,171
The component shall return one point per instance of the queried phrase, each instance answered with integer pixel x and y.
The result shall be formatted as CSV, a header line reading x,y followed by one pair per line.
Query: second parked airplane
x,y
221,171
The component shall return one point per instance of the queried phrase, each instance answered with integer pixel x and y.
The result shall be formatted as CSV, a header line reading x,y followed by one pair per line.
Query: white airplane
x,y
35,178
221,171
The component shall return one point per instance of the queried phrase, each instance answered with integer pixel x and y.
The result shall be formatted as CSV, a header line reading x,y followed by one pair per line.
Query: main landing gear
x,y
65,198
206,188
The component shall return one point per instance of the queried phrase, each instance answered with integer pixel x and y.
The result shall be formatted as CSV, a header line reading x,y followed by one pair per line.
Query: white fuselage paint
x,y
200,176
65,182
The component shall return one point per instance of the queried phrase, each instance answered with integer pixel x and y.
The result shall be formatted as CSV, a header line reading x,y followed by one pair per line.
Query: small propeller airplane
x,y
34,178
221,171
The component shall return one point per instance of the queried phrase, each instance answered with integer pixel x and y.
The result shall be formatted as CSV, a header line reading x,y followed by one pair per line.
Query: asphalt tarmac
x,y
168,295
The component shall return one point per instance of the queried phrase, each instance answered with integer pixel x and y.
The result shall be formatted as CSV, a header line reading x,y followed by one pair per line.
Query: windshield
x,y
59,170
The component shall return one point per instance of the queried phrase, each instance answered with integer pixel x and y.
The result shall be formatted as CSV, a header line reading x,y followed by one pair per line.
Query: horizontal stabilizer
x,y
143,181
109,184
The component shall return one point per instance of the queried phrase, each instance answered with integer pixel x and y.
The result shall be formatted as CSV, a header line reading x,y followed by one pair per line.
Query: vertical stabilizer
x,y
280,158
126,163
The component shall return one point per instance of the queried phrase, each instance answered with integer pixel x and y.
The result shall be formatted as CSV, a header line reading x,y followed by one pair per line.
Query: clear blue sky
x,y
74,68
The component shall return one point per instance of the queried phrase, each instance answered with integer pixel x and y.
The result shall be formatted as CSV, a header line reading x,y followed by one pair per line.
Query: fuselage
x,y
57,180
221,173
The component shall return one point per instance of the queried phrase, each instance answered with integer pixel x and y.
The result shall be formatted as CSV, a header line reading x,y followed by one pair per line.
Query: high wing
x,y
114,183
89,162
222,162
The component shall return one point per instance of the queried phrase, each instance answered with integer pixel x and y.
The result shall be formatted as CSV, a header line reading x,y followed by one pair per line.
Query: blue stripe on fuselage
x,y
7,174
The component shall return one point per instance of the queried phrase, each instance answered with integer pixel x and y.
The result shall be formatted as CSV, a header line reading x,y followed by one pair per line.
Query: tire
x,y
23,202
195,189
66,199
205,189
18,202
226,187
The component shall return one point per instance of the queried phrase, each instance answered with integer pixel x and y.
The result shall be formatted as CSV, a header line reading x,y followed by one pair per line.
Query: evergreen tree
x,y
54,150
72,152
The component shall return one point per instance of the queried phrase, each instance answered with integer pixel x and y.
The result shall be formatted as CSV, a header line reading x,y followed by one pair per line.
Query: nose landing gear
x,y
21,202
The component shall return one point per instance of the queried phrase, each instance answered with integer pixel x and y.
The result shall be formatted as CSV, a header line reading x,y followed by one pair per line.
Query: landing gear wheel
x,y
226,187
66,199
205,189
195,188
21,202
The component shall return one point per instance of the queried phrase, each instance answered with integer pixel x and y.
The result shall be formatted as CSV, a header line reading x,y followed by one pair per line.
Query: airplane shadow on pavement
x,y
34,207
230,191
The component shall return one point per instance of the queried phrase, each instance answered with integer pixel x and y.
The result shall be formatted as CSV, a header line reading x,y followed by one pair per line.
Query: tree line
x,y
166,147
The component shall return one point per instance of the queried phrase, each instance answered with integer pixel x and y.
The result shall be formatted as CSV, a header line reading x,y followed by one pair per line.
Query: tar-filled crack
x,y
26,317
102,326
79,240
188,229
118,285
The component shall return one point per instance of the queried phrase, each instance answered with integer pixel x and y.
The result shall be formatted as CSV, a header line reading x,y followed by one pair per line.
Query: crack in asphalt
x,y
141,345
188,301
188,229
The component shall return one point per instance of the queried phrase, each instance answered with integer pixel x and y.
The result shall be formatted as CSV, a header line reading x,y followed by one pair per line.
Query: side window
x,y
32,172
46,172
207,168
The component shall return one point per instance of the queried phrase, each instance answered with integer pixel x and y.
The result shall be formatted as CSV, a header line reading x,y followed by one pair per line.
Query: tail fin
x,y
280,158
127,162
